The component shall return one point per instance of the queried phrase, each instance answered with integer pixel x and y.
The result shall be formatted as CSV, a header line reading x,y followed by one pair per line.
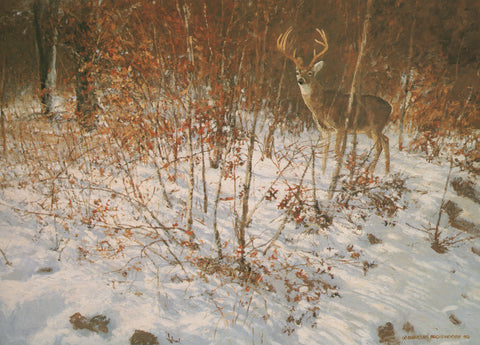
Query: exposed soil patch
x,y
97,323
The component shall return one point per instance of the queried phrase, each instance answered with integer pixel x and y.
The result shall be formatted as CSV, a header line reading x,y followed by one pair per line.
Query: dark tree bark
x,y
81,32
86,100
44,12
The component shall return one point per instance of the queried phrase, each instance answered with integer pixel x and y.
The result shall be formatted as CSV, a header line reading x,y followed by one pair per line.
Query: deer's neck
x,y
311,94
306,90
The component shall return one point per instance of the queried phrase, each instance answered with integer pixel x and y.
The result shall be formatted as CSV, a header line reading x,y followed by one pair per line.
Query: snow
x,y
405,280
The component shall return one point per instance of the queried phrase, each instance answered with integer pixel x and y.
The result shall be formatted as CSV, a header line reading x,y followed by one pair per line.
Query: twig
x,y
257,205
437,233
289,210
7,262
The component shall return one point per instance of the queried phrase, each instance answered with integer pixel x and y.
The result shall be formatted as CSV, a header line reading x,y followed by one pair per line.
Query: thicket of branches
x,y
179,80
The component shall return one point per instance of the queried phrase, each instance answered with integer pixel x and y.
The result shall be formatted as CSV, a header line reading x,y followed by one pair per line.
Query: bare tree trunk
x,y
47,52
341,141
191,182
38,9
51,82
407,81
218,241
269,141
204,180
84,59
86,101
246,193
185,13
162,184
465,105
3,84
353,89
3,132
314,184
447,99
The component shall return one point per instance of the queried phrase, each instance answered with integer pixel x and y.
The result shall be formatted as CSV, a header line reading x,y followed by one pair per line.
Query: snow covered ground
x,y
353,286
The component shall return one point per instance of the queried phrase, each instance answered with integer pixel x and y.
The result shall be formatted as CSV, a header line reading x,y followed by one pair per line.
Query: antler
x,y
282,46
323,43
282,43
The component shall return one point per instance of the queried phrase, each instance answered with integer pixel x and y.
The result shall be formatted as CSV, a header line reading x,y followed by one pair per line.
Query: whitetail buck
x,y
369,114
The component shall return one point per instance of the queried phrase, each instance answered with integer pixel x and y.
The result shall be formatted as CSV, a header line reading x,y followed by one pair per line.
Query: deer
x,y
330,108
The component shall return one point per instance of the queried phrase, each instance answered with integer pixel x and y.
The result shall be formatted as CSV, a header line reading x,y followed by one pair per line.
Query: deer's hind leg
x,y
340,135
386,151
378,145
381,142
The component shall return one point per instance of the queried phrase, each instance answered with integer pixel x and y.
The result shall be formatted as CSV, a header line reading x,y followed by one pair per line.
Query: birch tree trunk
x,y
191,182
242,225
51,82
185,13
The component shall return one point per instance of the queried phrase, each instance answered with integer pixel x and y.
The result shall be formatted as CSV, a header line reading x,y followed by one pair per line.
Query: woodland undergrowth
x,y
118,199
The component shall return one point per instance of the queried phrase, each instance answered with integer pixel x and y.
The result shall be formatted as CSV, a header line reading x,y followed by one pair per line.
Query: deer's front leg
x,y
339,136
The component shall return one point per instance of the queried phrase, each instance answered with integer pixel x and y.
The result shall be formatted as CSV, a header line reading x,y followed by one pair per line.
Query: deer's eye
x,y
310,73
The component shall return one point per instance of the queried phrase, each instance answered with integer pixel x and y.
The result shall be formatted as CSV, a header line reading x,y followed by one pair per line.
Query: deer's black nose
x,y
301,81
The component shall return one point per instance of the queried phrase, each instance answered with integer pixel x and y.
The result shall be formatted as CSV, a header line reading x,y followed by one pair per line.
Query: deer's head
x,y
305,73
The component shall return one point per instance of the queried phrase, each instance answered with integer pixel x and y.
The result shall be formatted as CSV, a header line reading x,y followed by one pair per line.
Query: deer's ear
x,y
318,66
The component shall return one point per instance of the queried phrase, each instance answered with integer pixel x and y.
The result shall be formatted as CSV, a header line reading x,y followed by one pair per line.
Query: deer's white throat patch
x,y
305,89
